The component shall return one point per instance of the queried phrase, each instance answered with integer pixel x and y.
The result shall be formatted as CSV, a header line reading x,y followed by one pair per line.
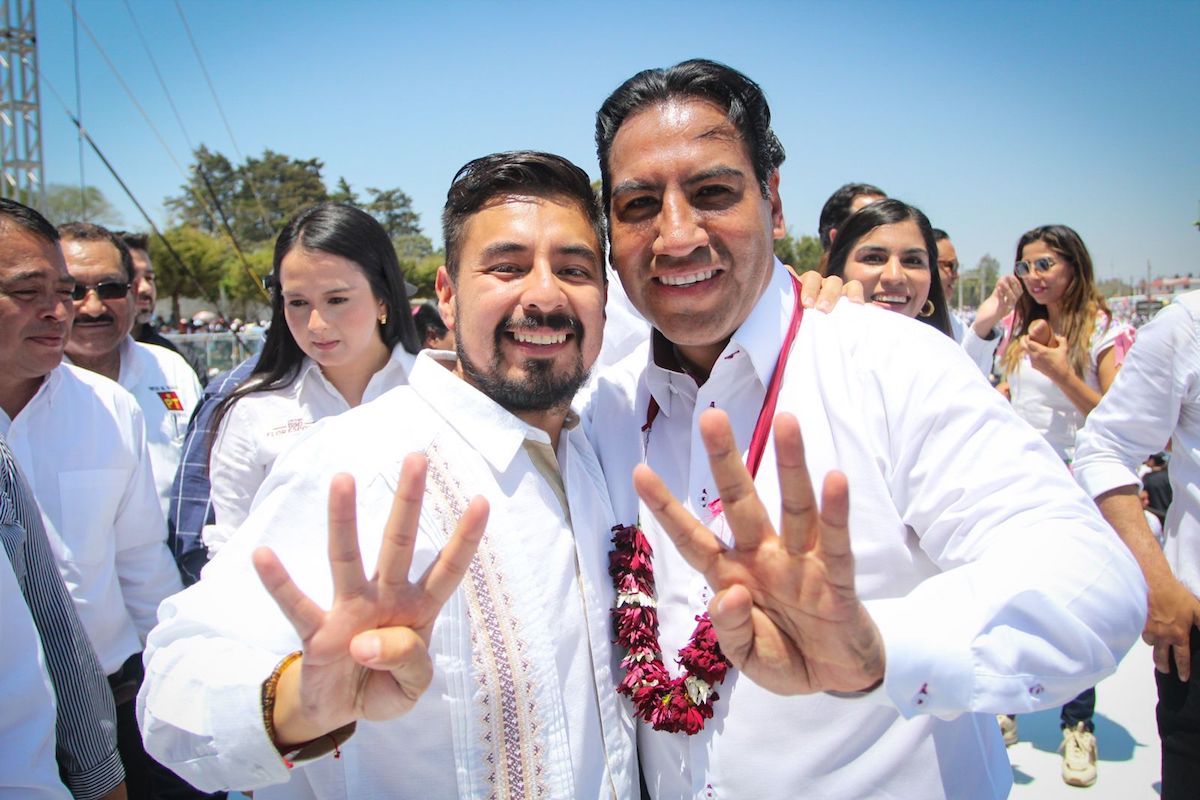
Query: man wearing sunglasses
x,y
81,443
163,383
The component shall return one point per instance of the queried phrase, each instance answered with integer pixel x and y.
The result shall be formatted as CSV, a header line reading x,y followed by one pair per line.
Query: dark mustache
x,y
556,322
101,318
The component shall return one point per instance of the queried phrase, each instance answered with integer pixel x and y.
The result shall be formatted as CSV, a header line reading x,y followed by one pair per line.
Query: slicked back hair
x,y
890,212
90,232
134,241
27,218
519,172
836,210
740,98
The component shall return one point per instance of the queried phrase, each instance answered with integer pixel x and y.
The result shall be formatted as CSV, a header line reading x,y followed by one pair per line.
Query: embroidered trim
x,y
506,703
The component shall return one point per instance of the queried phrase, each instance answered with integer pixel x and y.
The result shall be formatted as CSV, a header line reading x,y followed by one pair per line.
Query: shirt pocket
x,y
89,499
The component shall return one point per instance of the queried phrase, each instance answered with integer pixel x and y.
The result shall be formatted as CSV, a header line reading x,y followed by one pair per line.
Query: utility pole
x,y
21,173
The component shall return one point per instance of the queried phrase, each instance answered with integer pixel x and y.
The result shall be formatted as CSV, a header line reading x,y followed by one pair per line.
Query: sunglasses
x,y
105,290
1039,265
949,266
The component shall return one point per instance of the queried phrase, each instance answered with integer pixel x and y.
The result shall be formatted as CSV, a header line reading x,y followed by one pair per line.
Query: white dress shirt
x,y
82,445
28,770
262,425
167,389
1155,396
981,351
994,582
521,703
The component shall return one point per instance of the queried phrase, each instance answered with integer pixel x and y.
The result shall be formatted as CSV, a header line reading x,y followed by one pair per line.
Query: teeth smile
x,y
539,338
890,298
686,280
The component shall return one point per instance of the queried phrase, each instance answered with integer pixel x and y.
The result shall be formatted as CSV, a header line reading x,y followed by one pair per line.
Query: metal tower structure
x,y
20,106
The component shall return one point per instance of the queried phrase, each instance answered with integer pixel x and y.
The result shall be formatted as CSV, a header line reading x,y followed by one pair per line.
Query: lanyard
x,y
762,427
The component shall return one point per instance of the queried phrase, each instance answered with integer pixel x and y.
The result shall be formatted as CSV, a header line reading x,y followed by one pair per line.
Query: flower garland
x,y
668,704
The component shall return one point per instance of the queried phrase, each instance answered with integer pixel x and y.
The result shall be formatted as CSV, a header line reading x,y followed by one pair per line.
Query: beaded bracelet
x,y
304,751
268,694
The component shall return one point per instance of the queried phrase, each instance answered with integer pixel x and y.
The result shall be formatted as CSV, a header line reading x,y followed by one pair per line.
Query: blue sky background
x,y
992,117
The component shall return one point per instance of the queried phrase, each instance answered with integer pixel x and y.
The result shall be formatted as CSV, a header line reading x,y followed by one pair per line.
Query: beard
x,y
540,388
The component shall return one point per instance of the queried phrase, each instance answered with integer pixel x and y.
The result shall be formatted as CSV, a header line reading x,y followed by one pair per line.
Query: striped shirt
x,y
86,728
191,493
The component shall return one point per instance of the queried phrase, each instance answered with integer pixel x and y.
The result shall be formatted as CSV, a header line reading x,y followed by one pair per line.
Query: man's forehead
x,y
505,222
92,254
667,132
26,256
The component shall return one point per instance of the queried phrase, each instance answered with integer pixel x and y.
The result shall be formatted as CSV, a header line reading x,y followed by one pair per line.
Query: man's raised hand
x,y
785,610
366,657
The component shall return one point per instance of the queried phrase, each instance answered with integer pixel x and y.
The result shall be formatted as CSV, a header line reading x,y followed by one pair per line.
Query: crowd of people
x,y
630,510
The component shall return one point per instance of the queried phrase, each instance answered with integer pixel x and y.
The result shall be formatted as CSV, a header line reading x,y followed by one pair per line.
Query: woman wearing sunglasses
x,y
341,334
1064,352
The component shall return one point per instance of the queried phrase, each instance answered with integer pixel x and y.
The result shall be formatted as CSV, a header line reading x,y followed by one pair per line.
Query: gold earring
x,y
927,309
383,318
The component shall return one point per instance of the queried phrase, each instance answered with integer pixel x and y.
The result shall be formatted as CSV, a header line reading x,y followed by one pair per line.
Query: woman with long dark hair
x,y
888,247
341,334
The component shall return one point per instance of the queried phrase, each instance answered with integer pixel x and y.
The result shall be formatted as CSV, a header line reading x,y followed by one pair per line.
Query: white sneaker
x,y
1078,750
1008,728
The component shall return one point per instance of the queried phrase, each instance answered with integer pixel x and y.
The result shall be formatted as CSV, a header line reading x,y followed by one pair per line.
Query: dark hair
x,y
340,230
940,235
740,98
836,210
890,212
90,232
25,217
517,172
429,322
134,241
1082,302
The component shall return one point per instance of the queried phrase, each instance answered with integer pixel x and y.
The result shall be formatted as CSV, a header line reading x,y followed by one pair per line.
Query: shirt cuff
x,y
1098,478
98,780
929,671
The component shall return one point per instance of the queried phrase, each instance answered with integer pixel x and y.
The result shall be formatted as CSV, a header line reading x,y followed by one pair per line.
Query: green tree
x,y
203,265
65,203
801,254
344,194
257,196
422,272
978,283
242,288
393,209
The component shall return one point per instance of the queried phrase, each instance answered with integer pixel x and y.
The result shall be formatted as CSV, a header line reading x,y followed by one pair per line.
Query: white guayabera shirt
x,y
996,585
521,703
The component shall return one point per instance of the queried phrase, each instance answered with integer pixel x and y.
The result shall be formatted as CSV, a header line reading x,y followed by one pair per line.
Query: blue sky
x,y
992,117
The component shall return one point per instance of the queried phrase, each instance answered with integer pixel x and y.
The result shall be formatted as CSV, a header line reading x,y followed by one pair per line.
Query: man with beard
x,y
248,675
164,385
951,570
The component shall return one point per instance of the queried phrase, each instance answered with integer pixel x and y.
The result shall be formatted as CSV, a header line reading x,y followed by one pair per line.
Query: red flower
x,y
657,698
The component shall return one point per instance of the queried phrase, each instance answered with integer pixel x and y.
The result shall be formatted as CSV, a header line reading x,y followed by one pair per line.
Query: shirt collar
x,y
492,431
759,338
392,374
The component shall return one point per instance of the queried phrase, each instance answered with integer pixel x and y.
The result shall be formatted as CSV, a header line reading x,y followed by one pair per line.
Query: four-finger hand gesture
x,y
785,612
366,657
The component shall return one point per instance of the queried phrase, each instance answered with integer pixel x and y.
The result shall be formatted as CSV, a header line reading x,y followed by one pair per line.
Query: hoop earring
x,y
383,319
927,309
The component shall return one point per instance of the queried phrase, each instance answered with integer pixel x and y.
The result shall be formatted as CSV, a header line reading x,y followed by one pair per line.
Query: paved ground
x,y
1127,739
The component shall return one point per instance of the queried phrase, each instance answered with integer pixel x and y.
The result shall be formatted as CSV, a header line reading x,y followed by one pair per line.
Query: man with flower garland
x,y
869,643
